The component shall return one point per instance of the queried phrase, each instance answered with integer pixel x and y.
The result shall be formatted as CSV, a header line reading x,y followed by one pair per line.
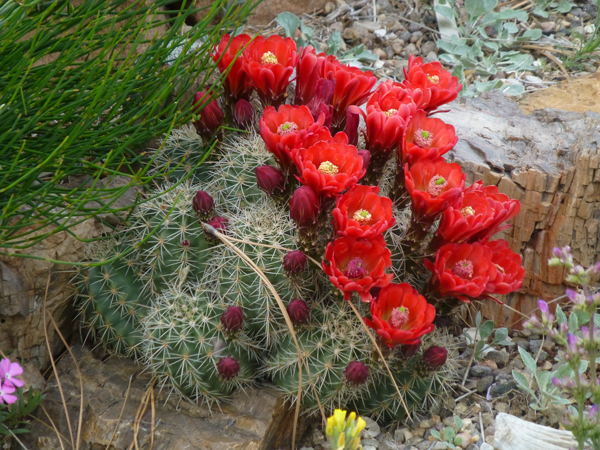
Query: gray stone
x,y
427,47
410,49
405,36
416,36
256,419
484,383
397,46
431,57
500,389
479,371
534,346
499,357
351,34
365,27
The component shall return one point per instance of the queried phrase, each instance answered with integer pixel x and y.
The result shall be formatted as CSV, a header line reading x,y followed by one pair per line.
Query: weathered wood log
x,y
550,161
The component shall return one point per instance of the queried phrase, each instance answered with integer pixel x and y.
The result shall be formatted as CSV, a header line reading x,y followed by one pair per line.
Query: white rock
x,y
379,33
513,433
486,446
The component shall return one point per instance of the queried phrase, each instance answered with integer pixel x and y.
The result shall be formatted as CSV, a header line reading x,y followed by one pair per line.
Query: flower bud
x,y
233,318
352,121
410,350
219,223
294,262
298,311
305,207
228,367
210,114
270,179
366,156
243,113
203,203
356,372
435,357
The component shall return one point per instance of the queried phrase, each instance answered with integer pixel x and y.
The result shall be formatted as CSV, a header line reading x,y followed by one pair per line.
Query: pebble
x,y
461,409
487,419
547,26
428,423
479,371
397,46
405,36
484,383
410,49
465,440
372,429
351,34
427,47
381,53
499,357
373,442
329,7
416,36
402,435
486,446
431,57
500,389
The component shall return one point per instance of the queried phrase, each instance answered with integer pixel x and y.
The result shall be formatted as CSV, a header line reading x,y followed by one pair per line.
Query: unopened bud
x,y
210,115
356,372
298,311
305,207
219,223
294,262
228,367
203,203
243,113
270,179
233,318
435,357
366,156
410,350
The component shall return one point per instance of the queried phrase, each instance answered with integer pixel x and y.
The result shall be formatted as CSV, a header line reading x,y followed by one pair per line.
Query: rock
x,y
351,34
502,407
410,49
484,383
418,432
254,420
397,46
534,346
402,435
416,36
329,7
428,423
479,371
554,173
491,364
513,433
555,413
486,446
427,47
465,440
380,52
500,389
372,429
488,418
461,409
366,27
499,357
548,26
431,57
22,291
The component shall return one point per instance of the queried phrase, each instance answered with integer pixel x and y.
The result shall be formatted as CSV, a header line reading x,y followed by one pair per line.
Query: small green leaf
x,y
478,319
458,422
532,35
573,325
564,6
477,8
445,11
528,360
449,433
560,316
522,382
501,334
289,22
334,43
308,31
512,89
511,28
436,434
487,328
508,14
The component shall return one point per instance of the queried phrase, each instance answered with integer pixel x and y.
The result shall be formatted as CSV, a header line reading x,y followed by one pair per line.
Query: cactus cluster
x,y
253,265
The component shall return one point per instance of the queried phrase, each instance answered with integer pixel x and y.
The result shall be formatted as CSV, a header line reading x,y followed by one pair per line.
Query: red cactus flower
x,y
210,114
462,270
285,128
433,185
426,138
356,372
357,265
305,206
442,86
352,86
236,84
329,168
509,269
270,62
478,216
361,213
400,315
435,357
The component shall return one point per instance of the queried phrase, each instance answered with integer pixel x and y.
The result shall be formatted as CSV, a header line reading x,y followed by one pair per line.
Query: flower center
x,y
500,269
467,211
268,58
423,138
399,317
390,112
362,216
355,268
328,168
433,78
287,128
463,269
437,184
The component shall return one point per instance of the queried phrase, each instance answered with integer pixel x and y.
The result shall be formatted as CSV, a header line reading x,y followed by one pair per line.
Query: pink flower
x,y
9,371
5,390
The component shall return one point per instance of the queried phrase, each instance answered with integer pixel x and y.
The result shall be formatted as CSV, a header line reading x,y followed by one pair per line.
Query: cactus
x,y
114,299
186,342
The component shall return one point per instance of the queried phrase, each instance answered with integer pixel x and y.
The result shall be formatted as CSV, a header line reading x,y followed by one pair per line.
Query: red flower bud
x,y
211,114
356,372
270,179
219,223
294,262
366,156
352,122
243,113
203,203
435,357
233,318
298,311
305,207
410,350
228,367
185,244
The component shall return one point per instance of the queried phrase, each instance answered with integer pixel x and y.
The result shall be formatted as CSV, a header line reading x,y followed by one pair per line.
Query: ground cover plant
x,y
292,255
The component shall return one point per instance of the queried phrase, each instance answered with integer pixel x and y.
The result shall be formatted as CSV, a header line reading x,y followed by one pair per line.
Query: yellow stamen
x,y
328,168
269,58
467,211
362,216
390,112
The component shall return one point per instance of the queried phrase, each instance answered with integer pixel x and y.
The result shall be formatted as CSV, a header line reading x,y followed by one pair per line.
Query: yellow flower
x,y
344,434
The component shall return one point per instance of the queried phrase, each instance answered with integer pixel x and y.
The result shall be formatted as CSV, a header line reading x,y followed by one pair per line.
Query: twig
x,y
465,395
557,61
16,438
53,427
120,415
481,427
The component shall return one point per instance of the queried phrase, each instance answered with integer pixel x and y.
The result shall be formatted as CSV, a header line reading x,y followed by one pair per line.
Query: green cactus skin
x,y
185,340
114,301
169,261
